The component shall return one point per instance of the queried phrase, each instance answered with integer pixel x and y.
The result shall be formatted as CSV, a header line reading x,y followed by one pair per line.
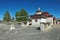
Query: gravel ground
x,y
29,33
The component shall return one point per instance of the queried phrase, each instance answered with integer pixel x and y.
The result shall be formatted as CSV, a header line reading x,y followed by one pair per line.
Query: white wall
x,y
25,25
38,21
35,23
43,20
50,19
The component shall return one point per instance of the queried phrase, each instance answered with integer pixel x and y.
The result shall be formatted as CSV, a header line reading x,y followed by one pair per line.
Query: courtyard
x,y
29,33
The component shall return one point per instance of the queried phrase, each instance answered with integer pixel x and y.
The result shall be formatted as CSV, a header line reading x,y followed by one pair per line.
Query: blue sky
x,y
51,6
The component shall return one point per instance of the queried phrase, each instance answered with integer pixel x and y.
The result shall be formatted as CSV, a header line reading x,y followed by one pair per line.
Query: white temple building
x,y
42,19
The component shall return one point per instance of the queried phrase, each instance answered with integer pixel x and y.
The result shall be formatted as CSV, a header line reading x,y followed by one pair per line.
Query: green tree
x,y
17,16
7,16
23,15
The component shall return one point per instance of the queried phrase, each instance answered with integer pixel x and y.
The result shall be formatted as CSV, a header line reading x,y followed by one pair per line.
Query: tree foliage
x,y
17,16
7,17
23,12
22,15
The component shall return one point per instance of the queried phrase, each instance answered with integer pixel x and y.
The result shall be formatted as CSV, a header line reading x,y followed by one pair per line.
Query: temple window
x,y
35,20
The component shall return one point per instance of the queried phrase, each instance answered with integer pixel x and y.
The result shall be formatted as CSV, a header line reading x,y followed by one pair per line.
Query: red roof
x,y
43,15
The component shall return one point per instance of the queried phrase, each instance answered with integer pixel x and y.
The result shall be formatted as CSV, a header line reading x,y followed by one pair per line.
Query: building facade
x,y
42,18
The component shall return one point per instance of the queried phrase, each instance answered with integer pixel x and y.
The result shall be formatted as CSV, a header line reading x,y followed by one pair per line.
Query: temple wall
x,y
50,19
35,23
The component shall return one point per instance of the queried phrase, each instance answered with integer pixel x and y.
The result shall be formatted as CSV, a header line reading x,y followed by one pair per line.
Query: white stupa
x,y
12,27
38,11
